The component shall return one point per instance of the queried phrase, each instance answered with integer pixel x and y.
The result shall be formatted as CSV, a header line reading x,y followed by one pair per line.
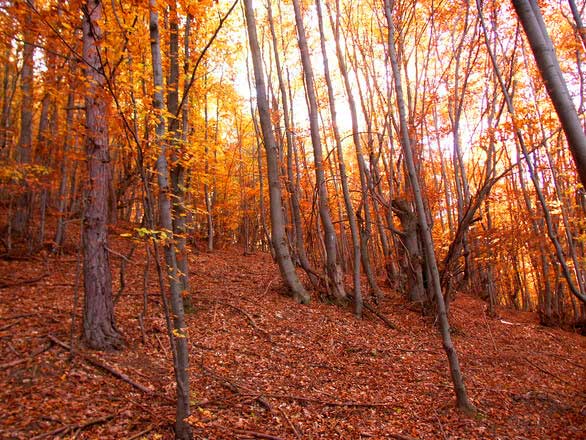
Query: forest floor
x,y
262,366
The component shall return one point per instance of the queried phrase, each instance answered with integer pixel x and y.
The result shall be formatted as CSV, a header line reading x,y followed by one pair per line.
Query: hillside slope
x,y
265,367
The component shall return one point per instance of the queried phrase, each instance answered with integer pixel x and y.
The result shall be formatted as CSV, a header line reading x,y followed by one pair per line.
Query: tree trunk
x,y
22,213
548,65
551,231
292,188
177,168
358,302
179,334
462,400
333,270
99,328
278,237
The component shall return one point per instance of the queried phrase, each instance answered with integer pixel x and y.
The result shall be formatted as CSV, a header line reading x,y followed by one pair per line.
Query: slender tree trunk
x,y
291,186
358,302
278,239
62,194
177,168
333,270
462,400
22,212
551,231
179,334
99,328
548,65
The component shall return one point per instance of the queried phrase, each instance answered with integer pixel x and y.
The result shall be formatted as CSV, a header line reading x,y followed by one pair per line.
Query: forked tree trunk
x,y
358,301
178,335
278,236
364,224
99,328
333,269
462,400
292,188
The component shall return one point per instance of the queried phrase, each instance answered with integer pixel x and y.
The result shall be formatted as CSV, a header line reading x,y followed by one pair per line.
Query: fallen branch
x,y
6,327
555,376
76,426
259,395
247,315
23,360
104,366
401,437
380,316
257,434
331,402
236,388
24,315
293,427
8,284
141,433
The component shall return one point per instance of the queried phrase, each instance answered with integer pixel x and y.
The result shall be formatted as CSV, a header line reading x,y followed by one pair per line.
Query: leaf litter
x,y
262,366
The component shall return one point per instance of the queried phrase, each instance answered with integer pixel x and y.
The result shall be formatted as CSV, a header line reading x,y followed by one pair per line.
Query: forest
x,y
337,219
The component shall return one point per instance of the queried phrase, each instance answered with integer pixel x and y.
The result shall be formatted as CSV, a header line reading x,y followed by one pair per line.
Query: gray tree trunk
x,y
22,213
179,334
548,65
333,269
462,400
358,302
291,184
278,236
177,168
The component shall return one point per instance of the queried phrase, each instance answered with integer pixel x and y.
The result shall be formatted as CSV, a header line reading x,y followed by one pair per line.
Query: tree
x,y
462,400
99,327
278,235
549,67
179,333
333,269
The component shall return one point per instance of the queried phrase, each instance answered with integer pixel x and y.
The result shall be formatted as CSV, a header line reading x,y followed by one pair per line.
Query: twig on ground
x,y
237,388
380,316
24,315
8,284
247,315
331,402
293,427
6,327
104,366
76,426
401,437
269,286
141,433
23,360
551,374
118,254
257,434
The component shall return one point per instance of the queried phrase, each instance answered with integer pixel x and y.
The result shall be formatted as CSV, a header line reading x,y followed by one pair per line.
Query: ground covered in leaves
x,y
265,367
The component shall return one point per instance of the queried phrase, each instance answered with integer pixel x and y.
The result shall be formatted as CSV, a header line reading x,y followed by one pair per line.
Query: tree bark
x,y
549,68
177,168
291,184
333,270
179,333
278,235
462,400
358,301
22,213
99,328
